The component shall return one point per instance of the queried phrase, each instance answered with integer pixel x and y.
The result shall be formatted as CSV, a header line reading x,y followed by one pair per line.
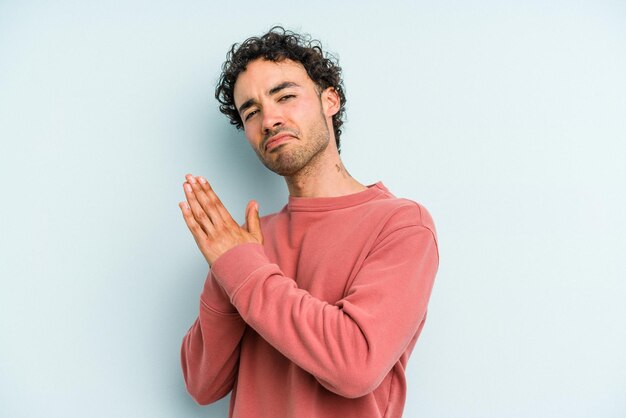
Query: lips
x,y
276,140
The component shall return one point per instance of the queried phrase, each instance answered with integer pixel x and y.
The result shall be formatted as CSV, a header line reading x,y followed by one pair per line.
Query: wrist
x,y
233,267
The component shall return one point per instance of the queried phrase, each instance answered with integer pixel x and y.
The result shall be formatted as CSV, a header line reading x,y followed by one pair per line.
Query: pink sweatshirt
x,y
320,320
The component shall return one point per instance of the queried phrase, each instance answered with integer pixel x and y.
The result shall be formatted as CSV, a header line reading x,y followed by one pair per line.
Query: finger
x,y
207,196
253,222
197,211
195,228
206,201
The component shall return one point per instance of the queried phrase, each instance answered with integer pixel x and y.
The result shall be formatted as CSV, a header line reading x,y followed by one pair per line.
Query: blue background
x,y
505,119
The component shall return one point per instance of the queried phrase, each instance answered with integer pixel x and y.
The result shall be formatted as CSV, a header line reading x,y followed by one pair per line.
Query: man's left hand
x,y
214,230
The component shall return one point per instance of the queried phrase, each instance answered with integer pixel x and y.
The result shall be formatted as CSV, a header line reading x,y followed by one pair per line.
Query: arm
x,y
210,349
351,345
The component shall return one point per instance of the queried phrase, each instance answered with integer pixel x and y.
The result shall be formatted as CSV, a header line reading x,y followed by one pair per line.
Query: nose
x,y
272,118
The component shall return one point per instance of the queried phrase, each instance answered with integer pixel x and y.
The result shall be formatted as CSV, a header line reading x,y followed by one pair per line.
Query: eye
x,y
249,115
286,97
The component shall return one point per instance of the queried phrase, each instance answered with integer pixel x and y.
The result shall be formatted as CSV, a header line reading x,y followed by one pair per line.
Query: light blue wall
x,y
506,119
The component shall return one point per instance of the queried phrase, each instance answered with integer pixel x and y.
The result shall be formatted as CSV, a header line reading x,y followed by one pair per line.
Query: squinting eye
x,y
249,115
289,96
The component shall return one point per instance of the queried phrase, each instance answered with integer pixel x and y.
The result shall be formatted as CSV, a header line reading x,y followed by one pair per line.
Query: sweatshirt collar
x,y
308,204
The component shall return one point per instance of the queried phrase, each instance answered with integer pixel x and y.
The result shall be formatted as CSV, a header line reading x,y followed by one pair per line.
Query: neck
x,y
324,176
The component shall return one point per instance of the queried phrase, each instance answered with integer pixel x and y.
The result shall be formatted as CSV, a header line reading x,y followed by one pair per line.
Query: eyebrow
x,y
284,85
281,86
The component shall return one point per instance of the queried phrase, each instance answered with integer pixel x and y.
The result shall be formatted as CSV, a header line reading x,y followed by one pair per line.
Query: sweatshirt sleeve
x,y
210,349
351,345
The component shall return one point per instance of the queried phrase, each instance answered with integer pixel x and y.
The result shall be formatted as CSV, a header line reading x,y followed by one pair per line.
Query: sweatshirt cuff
x,y
233,267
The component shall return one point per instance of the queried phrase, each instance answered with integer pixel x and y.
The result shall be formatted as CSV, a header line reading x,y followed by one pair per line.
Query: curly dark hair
x,y
276,45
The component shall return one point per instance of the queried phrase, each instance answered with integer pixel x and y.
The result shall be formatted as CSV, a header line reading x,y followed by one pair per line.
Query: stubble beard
x,y
299,153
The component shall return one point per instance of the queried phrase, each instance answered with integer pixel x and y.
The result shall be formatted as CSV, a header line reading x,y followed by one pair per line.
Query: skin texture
x,y
277,101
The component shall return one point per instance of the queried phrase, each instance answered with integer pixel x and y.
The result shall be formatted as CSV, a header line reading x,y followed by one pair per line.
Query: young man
x,y
312,311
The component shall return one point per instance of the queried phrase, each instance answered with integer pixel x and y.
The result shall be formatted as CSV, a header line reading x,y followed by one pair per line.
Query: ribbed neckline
x,y
304,204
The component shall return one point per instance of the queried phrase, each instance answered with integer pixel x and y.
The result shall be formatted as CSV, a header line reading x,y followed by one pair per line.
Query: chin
x,y
284,170
285,165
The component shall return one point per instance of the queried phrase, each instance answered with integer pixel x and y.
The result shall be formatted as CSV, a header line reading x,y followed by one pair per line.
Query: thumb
x,y
253,222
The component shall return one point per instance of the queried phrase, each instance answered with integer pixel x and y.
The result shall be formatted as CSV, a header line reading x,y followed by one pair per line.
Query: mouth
x,y
276,140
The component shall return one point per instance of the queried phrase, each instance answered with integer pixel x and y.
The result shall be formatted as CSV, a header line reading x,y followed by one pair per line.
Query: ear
x,y
330,101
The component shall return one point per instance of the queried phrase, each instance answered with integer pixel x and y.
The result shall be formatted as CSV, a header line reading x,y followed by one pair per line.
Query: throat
x,y
323,181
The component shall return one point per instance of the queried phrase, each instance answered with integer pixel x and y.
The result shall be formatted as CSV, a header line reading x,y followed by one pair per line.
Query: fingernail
x,y
202,180
187,187
191,179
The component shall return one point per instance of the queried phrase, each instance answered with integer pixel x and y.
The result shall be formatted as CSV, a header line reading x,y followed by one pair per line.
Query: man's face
x,y
286,120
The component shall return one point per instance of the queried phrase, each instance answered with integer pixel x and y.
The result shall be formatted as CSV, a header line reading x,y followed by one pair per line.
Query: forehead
x,y
261,75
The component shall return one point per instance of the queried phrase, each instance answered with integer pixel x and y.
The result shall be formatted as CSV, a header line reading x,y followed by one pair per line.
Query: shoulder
x,y
407,226
397,213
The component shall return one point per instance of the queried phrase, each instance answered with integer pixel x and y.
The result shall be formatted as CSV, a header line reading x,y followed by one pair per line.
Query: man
x,y
312,311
